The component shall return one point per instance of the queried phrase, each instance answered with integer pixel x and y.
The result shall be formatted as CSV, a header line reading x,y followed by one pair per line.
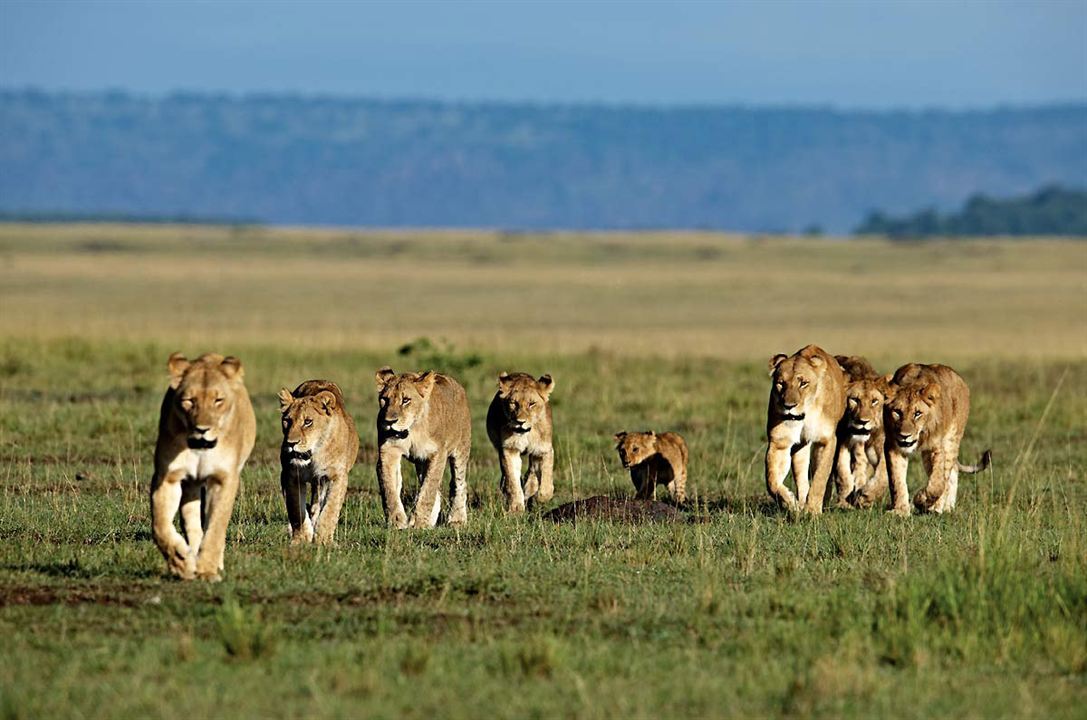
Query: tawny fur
x,y
807,400
654,459
423,417
206,431
319,448
519,426
860,473
927,412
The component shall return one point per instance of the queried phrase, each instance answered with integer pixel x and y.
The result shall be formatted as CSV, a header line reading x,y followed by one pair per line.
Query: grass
x,y
979,614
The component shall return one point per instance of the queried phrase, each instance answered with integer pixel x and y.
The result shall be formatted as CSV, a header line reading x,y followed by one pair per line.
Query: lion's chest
x,y
522,443
202,464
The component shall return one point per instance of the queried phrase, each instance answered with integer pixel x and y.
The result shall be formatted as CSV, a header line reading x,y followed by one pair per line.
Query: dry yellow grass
x,y
629,293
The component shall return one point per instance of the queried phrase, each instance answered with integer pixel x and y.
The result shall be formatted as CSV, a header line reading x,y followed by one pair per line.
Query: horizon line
x,y
384,99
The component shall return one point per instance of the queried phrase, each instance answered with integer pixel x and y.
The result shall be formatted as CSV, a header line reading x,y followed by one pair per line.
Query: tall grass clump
x,y
245,636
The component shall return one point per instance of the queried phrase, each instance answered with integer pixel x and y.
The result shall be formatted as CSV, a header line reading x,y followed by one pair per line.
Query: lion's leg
x,y
777,469
532,478
843,475
940,465
510,460
645,480
897,467
293,497
801,462
391,480
166,494
823,457
678,487
547,476
874,489
458,486
222,491
334,491
428,503
192,518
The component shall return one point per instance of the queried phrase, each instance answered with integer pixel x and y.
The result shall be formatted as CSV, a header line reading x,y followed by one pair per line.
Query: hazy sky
x,y
870,53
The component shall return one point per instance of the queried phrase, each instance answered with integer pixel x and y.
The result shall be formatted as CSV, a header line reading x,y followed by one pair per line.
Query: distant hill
x,y
1050,211
287,159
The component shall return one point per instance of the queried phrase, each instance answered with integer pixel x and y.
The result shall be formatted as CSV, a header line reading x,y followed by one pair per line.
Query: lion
x,y
927,411
519,424
206,432
319,449
424,417
807,401
860,473
654,459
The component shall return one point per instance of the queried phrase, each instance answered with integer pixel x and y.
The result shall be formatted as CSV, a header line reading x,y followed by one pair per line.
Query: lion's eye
x,y
780,386
308,422
853,402
405,401
532,403
285,423
186,403
218,401
897,415
383,401
916,414
875,402
803,383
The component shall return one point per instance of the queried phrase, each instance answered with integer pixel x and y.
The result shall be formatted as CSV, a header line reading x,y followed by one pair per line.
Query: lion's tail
x,y
986,460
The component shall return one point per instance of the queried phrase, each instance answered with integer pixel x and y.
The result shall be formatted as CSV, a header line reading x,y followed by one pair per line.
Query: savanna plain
x,y
741,612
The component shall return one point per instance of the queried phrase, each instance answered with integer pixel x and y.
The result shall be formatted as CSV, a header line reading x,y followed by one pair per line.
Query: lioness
x,y
423,416
654,460
928,410
319,449
860,472
807,400
519,423
206,432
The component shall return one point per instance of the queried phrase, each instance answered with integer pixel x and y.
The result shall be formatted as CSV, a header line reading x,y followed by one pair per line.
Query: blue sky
x,y
872,54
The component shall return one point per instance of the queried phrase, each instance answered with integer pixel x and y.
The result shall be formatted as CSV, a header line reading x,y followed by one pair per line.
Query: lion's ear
x,y
177,365
232,367
383,376
546,385
504,382
424,382
775,361
620,436
931,393
327,400
285,399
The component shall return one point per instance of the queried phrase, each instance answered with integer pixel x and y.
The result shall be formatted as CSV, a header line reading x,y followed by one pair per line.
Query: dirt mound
x,y
628,510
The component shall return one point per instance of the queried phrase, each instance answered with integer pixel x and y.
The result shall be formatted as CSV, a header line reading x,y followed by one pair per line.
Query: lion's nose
x,y
201,430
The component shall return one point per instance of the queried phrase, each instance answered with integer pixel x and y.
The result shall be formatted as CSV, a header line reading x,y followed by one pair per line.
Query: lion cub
x,y
319,449
424,417
654,460
807,401
860,472
206,431
519,423
927,411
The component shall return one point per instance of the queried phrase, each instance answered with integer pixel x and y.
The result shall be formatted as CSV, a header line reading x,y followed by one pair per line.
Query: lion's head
x,y
205,391
909,412
864,405
796,381
402,399
307,423
524,399
635,447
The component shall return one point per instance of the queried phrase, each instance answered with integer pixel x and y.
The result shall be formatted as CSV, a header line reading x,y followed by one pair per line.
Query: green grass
x,y
979,614
982,613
